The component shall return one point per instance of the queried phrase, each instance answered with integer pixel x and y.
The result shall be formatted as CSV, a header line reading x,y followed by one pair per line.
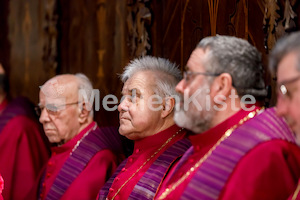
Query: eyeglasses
x,y
282,86
52,109
188,75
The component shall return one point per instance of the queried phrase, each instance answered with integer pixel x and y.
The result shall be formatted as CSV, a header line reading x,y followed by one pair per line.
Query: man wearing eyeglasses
x,y
84,156
23,146
240,150
285,63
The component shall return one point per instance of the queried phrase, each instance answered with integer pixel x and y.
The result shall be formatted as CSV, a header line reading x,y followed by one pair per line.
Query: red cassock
x,y
1,187
23,147
296,193
146,152
88,182
268,171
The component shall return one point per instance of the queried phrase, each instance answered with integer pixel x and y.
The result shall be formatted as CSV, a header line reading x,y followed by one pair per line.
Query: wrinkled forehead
x,y
199,57
287,68
142,81
57,91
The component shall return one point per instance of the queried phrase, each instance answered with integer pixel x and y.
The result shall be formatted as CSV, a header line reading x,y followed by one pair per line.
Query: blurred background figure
x,y
23,145
285,65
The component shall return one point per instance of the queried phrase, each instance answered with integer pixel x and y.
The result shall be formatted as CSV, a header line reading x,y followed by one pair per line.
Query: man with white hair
x,y
240,150
84,156
146,117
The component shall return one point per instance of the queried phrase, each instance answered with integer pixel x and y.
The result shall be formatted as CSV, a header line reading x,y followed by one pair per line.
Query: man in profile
x,y
146,117
240,150
24,148
284,62
83,156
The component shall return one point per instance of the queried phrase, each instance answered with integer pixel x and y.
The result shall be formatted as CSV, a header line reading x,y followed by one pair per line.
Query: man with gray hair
x,y
146,117
284,63
239,150
83,156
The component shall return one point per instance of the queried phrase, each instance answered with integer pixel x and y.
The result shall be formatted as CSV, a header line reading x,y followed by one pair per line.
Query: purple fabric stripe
x,y
152,178
184,158
95,141
105,189
212,175
147,186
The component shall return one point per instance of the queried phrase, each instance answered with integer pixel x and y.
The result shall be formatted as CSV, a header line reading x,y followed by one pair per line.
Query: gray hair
x,y
167,73
285,45
85,84
227,54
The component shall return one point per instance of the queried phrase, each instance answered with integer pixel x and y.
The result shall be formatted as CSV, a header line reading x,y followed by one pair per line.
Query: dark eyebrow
x,y
135,90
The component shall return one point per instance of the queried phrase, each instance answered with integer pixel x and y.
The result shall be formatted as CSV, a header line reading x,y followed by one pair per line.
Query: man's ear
x,y
84,112
168,106
221,87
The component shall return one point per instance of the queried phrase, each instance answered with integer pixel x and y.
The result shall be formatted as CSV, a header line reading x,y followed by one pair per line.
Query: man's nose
x,y
44,116
180,86
123,106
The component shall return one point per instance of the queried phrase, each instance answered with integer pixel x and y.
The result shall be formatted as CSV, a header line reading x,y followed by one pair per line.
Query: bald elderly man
x,y
84,156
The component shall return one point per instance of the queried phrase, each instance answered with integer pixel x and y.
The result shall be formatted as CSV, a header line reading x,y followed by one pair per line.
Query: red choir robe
x,y
88,183
269,171
24,151
143,149
1,187
296,193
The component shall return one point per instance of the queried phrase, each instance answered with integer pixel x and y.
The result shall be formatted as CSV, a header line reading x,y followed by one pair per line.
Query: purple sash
x,y
105,189
212,175
19,106
147,186
97,140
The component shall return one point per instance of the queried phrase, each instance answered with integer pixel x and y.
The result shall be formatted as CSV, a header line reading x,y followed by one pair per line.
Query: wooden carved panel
x,y
93,41
26,38
50,50
184,23
279,19
138,24
177,28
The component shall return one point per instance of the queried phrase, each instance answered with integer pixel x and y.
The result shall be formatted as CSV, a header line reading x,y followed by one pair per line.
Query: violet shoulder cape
x,y
147,186
17,107
96,140
212,175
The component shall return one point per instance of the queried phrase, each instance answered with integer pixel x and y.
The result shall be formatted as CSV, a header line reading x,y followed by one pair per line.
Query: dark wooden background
x,y
39,39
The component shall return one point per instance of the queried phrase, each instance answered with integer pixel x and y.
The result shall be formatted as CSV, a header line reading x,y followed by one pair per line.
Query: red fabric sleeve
x,y
1,187
23,154
93,177
269,171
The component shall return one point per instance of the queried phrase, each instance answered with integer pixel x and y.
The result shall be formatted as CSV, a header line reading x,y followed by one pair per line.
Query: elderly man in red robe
x,y
146,116
285,64
239,150
84,156
23,146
